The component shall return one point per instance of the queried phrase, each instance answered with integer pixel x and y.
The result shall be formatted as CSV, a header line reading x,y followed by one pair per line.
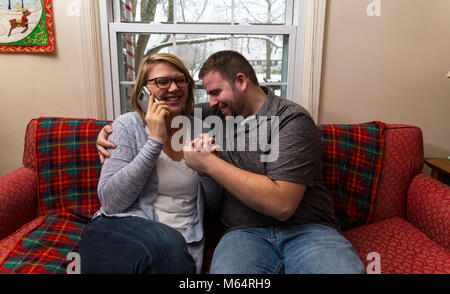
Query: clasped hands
x,y
198,153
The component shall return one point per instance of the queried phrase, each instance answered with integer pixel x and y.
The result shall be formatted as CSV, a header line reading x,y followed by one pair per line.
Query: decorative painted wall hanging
x,y
26,26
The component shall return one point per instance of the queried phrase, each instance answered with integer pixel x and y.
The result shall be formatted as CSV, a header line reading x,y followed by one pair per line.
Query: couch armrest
x,y
18,203
428,208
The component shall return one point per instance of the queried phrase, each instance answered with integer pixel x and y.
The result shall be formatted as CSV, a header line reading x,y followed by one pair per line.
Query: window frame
x,y
305,32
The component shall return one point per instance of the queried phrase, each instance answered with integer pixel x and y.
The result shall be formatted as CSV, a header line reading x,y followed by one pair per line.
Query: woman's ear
x,y
241,81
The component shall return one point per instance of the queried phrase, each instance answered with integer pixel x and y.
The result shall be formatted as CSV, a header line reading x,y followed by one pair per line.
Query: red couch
x,y
409,230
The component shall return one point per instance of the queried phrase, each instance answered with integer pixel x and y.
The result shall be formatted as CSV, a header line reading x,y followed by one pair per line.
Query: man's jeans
x,y
133,245
309,248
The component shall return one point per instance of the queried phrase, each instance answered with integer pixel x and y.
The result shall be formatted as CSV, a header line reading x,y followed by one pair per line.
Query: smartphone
x,y
144,97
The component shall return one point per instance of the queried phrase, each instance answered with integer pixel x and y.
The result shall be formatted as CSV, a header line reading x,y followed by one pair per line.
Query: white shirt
x,y
176,202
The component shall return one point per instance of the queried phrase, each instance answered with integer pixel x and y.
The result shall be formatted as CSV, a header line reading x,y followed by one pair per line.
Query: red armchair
x,y
409,230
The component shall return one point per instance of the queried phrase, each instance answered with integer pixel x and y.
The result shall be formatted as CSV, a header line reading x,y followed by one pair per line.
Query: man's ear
x,y
241,81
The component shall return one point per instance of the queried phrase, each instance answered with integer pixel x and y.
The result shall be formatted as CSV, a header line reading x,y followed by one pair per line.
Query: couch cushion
x,y
402,160
351,169
403,249
45,249
68,166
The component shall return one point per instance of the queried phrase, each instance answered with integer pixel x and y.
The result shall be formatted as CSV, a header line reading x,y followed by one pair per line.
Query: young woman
x,y
151,214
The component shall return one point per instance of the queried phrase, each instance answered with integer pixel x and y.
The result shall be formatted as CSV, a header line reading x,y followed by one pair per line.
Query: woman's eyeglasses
x,y
165,83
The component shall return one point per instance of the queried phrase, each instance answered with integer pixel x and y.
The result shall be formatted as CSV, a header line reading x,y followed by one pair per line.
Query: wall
x,y
58,84
390,67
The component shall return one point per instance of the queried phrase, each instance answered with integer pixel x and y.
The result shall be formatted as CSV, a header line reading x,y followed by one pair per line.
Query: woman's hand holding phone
x,y
155,118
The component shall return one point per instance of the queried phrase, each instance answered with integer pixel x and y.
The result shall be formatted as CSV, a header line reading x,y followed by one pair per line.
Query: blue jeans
x,y
309,248
133,245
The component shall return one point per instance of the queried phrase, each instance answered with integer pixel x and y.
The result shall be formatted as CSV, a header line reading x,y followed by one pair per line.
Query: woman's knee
x,y
161,235
109,252
167,250
145,247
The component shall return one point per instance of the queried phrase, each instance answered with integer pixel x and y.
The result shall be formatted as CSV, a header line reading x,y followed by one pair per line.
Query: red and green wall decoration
x,y
26,26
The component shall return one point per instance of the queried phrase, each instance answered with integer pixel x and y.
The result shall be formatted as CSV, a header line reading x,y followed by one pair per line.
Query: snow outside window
x,y
269,33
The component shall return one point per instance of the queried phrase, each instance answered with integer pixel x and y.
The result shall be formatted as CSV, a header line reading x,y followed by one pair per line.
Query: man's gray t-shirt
x,y
299,161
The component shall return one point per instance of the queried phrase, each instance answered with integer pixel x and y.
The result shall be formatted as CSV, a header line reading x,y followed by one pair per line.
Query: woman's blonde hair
x,y
147,65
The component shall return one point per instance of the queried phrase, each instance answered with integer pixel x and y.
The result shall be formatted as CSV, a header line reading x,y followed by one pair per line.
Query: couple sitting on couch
x,y
278,214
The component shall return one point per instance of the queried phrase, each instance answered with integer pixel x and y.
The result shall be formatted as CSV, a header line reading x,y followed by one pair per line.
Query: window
x,y
270,34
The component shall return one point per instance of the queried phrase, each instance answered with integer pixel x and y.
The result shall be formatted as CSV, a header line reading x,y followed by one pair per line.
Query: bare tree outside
x,y
263,51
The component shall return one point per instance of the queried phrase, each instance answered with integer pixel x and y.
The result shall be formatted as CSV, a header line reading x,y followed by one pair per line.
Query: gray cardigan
x,y
128,183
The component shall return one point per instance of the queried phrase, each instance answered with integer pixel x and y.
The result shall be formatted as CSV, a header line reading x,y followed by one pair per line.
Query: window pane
x,y
200,95
126,91
204,11
267,54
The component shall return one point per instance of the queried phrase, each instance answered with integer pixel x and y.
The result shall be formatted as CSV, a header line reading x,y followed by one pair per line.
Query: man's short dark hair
x,y
228,63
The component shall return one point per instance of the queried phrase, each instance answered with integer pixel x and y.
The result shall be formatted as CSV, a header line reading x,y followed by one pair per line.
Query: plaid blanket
x,y
68,166
45,249
68,171
352,163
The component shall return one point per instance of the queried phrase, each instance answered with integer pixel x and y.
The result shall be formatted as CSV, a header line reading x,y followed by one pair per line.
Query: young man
x,y
278,214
